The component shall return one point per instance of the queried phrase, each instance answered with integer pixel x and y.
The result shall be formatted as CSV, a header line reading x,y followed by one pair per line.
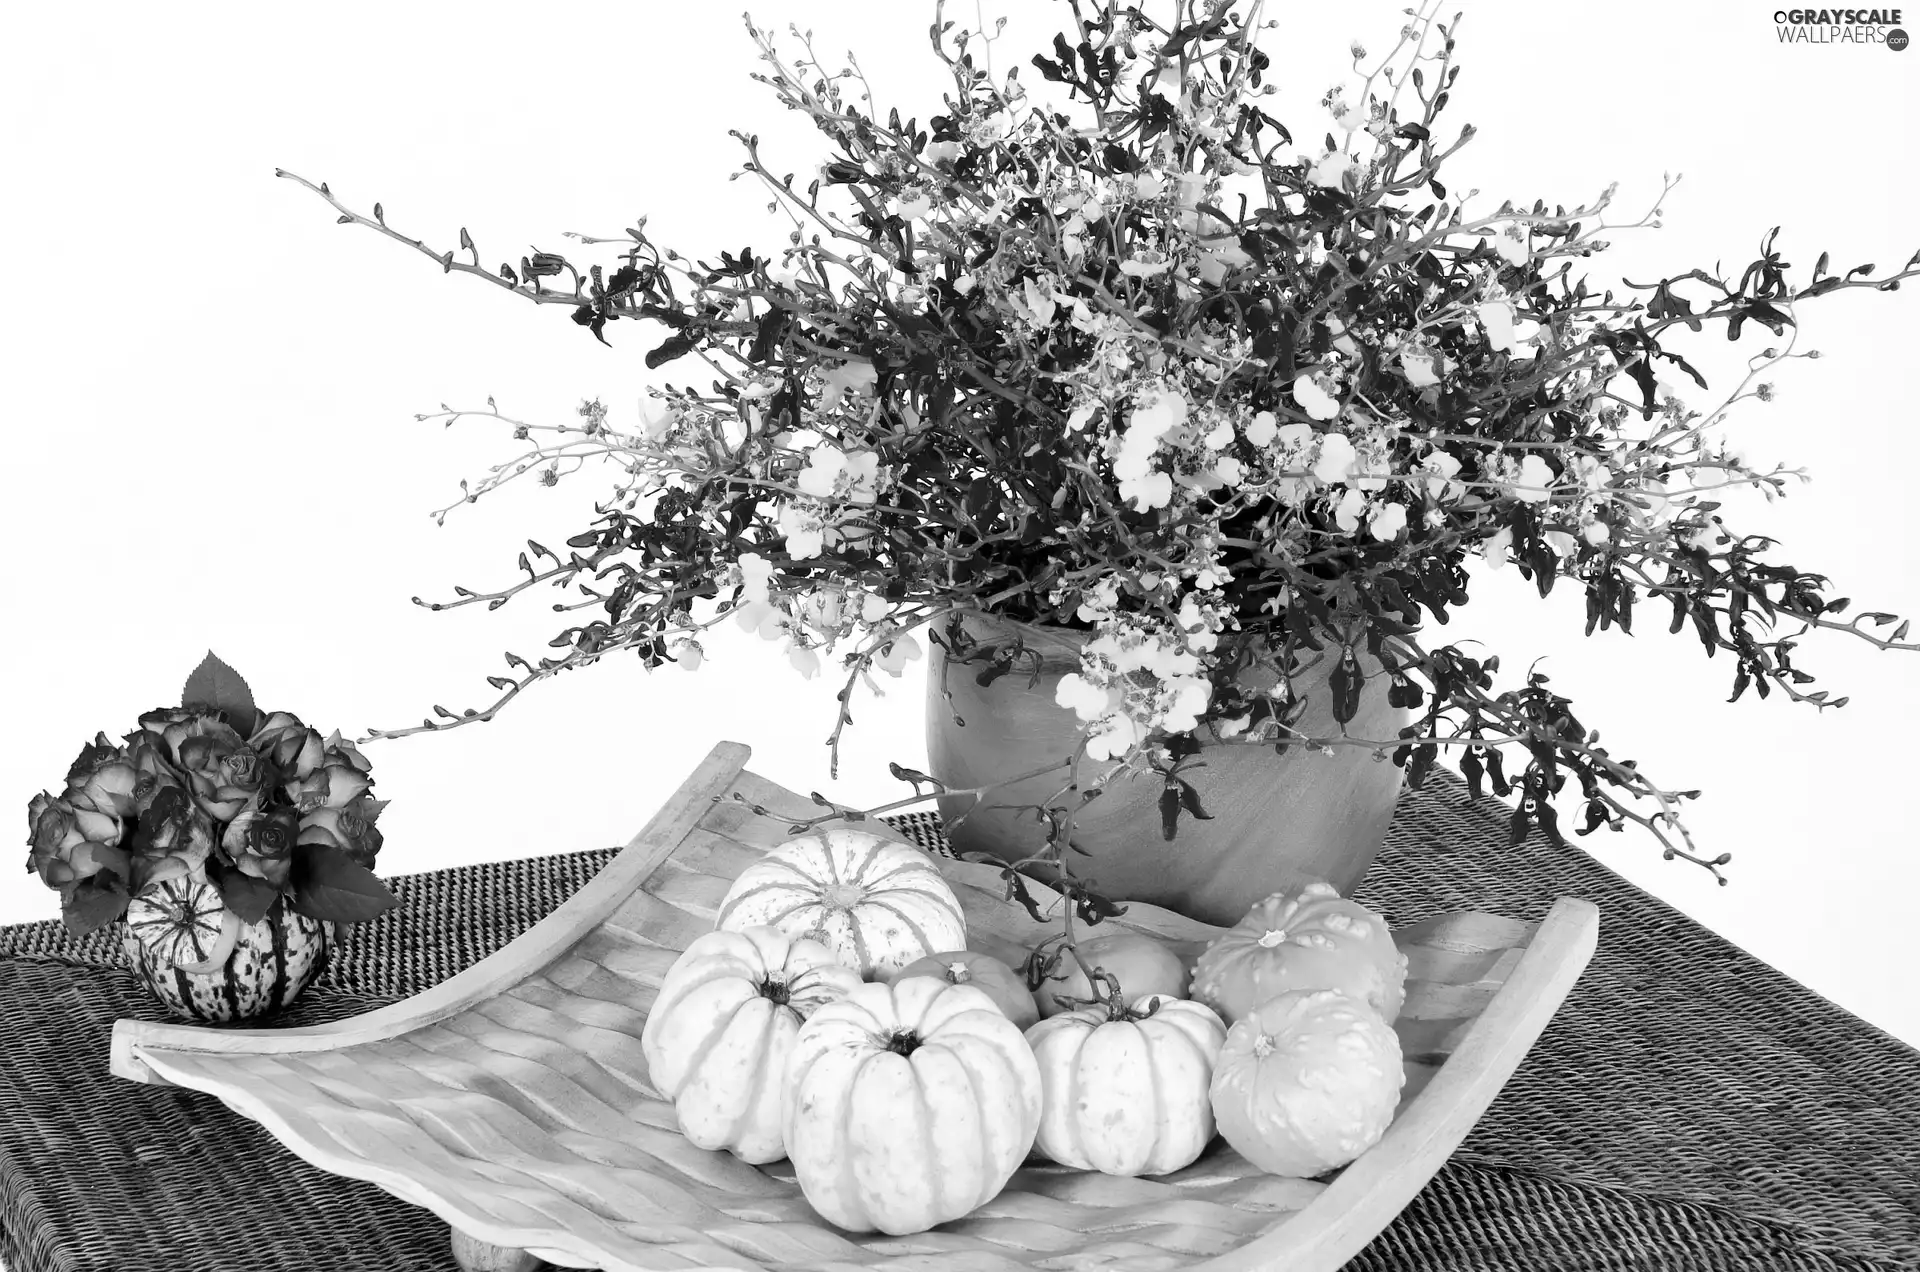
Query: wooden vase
x,y
1277,818
272,961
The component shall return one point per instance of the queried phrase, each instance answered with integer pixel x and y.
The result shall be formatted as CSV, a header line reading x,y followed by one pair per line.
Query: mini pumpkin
x,y
877,903
984,972
1307,1081
1127,1092
1304,937
1141,964
718,1036
908,1105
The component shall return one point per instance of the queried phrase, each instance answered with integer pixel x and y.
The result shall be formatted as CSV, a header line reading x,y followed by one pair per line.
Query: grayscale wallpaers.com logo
x,y
1841,26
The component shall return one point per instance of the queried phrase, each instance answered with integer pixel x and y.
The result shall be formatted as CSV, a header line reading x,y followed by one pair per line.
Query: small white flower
x,y
1154,490
859,377
1387,522
687,653
1596,532
1111,738
1314,397
1496,316
1039,304
825,463
1082,697
1441,468
1261,428
1347,513
942,151
1082,416
1513,241
1563,544
1331,171
912,204
873,608
903,650
1534,479
1334,462
805,661
755,572
963,284
803,530
1419,367
1496,548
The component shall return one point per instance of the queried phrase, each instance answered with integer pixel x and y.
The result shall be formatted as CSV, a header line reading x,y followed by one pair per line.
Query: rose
x,y
260,843
69,845
348,827
172,839
293,749
153,771
222,771
102,780
341,778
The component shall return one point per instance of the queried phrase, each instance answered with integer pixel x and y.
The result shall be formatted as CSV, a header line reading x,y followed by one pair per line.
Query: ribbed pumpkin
x,y
1307,1081
1127,1094
908,1105
1304,937
984,972
877,903
204,963
719,1034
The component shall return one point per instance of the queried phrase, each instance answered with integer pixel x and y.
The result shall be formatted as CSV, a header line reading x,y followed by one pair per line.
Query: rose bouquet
x,y
1126,356
255,805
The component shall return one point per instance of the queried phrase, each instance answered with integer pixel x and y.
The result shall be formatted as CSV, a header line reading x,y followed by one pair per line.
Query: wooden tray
x,y
513,1101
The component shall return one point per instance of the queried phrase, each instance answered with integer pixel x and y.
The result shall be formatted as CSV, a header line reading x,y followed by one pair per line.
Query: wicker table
x,y
1690,1107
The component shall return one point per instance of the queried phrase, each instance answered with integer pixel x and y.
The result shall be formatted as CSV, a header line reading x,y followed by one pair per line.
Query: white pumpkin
x,y
878,904
1307,1081
718,1036
1127,1095
908,1105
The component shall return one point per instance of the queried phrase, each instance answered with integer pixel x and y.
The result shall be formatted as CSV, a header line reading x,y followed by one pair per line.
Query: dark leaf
x,y
1344,685
93,903
328,884
218,687
1190,800
246,896
675,346
1169,809
1473,771
1518,825
1501,786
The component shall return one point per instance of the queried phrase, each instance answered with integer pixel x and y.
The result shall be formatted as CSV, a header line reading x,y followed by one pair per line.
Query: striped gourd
x,y
204,963
878,904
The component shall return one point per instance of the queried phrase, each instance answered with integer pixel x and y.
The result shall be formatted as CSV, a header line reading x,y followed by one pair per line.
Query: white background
x,y
211,392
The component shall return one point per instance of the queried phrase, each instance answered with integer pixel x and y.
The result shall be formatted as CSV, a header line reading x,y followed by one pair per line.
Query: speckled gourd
x,y
1307,1081
1303,937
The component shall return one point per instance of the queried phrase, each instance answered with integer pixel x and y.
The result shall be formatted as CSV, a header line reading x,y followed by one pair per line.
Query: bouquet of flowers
x,y
1142,361
257,804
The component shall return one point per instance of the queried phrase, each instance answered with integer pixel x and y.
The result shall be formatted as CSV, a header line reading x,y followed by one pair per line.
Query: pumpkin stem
x,y
903,1042
775,989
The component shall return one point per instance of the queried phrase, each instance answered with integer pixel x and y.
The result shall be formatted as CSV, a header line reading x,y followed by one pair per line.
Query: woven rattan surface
x,y
1689,1107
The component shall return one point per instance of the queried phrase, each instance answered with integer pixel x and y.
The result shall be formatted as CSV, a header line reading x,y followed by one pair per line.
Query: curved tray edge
x,y
519,958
